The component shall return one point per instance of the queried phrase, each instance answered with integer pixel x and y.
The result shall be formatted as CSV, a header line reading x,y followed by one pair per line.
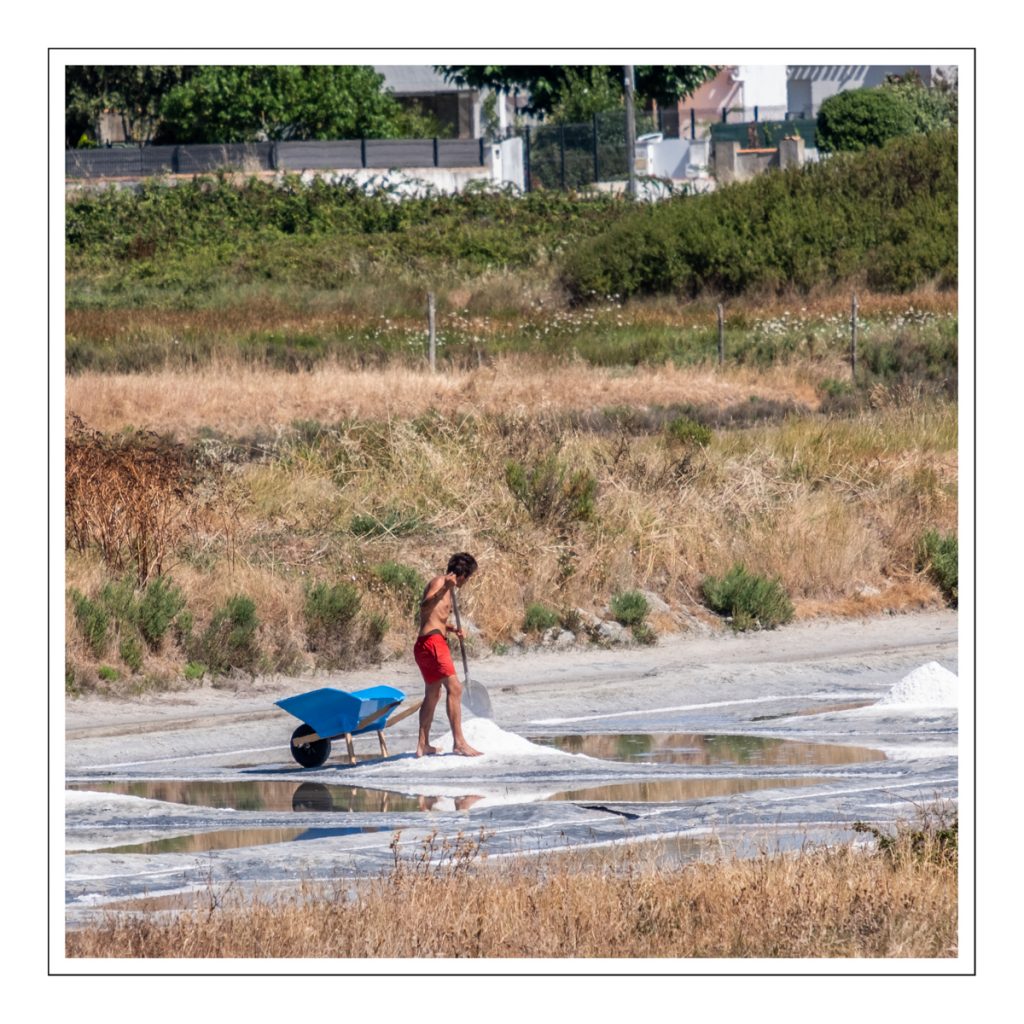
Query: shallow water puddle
x,y
203,842
708,750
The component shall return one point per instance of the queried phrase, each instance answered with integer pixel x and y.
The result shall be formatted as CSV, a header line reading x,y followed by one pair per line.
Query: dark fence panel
x,y
254,156
129,161
134,161
460,153
319,156
386,153
758,134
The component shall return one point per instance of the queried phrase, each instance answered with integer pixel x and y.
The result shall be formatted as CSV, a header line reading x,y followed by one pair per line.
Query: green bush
x,y
538,618
93,622
890,213
751,601
403,581
108,673
859,118
131,652
161,601
194,670
939,555
551,492
685,431
331,621
630,608
230,640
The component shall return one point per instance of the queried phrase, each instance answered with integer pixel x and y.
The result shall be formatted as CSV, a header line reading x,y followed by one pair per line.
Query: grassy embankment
x,y
580,450
898,900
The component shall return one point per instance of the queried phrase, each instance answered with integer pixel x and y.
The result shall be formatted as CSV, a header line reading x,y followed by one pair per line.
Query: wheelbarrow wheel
x,y
309,755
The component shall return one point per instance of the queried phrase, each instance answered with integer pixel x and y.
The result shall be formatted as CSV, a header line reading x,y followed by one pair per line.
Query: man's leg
x,y
454,707
431,695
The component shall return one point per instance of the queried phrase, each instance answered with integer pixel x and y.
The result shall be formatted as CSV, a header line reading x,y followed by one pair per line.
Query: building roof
x,y
414,79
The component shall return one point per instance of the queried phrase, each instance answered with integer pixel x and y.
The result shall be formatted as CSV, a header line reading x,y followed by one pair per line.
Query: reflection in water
x,y
705,750
667,790
233,839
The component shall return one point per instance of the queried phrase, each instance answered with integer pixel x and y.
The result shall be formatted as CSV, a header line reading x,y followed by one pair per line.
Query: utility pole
x,y
630,128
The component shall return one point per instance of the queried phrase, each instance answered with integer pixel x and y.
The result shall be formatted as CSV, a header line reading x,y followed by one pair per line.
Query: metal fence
x,y
569,156
383,154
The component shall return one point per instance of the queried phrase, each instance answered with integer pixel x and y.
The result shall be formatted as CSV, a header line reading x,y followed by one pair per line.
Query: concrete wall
x,y
809,85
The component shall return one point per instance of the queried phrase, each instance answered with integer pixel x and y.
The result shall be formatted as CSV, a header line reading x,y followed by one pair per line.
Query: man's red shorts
x,y
433,657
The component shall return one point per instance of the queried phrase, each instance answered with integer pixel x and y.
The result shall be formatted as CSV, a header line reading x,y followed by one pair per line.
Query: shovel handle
x,y
462,646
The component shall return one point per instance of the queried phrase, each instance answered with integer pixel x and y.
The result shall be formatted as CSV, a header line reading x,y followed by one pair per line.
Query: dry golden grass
x,y
834,509
842,902
241,401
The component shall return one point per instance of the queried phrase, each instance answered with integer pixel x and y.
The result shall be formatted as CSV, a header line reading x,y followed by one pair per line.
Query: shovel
x,y
478,700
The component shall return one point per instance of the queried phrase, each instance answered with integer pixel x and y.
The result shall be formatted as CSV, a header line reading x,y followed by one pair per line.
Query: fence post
x,y
437,162
693,123
176,160
561,148
432,330
721,335
756,118
362,152
597,174
853,339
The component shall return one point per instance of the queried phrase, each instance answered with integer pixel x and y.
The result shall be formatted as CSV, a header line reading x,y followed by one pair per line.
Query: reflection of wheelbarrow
x,y
328,714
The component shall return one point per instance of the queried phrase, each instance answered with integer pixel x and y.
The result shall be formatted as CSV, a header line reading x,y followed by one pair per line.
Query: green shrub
x,y
131,652
194,670
93,622
538,618
230,640
630,608
858,118
682,430
939,555
890,213
108,673
161,601
643,633
551,492
331,620
402,580
751,601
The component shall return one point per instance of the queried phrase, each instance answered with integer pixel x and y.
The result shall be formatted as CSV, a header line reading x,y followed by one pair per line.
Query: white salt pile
x,y
930,686
485,735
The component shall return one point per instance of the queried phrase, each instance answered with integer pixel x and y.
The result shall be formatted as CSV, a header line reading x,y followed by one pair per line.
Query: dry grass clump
x,y
838,902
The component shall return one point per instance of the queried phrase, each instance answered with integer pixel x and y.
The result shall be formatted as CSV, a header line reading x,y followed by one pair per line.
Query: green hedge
x,y
890,214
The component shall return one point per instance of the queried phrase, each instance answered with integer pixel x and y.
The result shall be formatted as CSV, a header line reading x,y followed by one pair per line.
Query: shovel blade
x,y
477,699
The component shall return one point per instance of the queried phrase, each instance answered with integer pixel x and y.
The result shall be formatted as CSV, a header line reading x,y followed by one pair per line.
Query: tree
x,y
135,92
551,86
252,103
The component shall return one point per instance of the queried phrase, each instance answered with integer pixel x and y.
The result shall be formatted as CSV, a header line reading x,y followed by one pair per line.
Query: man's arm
x,y
436,589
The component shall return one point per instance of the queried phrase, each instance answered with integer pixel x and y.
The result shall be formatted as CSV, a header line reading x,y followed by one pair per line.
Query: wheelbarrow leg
x,y
351,748
383,744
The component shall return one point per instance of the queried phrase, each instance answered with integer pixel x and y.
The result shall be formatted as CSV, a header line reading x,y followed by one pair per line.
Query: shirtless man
x,y
435,660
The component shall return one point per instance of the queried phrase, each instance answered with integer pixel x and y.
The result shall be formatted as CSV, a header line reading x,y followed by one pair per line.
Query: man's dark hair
x,y
462,563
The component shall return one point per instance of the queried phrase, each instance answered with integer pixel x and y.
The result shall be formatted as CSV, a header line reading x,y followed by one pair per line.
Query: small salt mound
x,y
930,686
488,737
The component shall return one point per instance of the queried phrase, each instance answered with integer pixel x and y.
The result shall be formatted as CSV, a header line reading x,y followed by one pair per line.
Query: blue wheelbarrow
x,y
328,714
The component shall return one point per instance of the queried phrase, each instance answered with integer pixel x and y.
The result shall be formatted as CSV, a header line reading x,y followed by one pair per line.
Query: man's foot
x,y
425,748
466,750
